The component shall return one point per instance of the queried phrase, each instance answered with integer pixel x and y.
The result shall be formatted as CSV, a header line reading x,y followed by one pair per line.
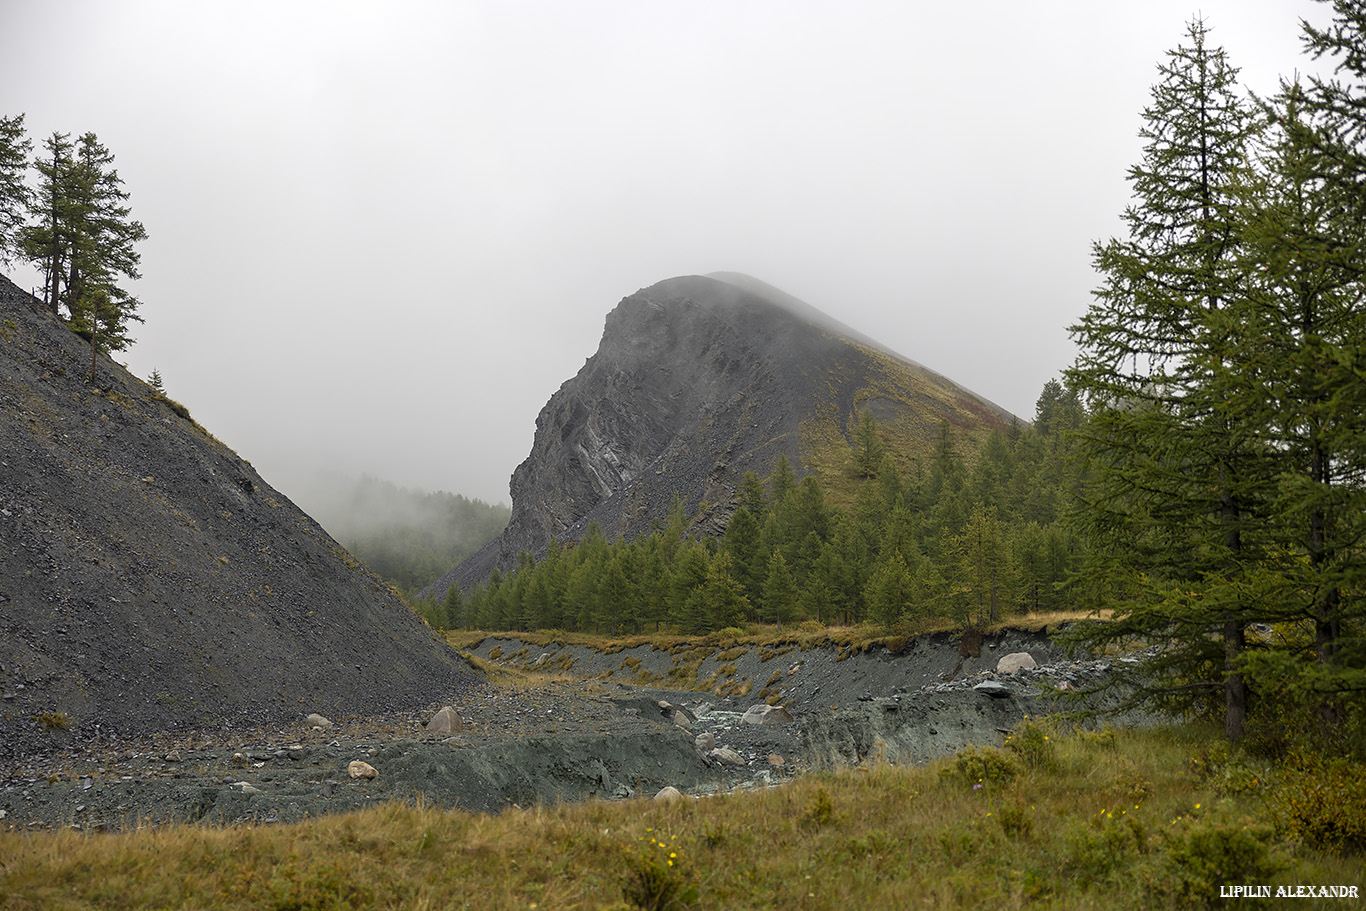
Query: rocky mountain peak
x,y
697,380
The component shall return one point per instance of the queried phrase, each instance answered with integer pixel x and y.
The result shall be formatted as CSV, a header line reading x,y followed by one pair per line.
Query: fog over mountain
x,y
381,235
698,381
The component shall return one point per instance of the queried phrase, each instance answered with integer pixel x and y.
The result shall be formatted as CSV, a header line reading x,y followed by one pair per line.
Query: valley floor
x,y
901,788
558,723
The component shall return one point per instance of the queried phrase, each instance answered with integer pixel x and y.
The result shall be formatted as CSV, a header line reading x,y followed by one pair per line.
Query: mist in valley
x,y
381,236
407,535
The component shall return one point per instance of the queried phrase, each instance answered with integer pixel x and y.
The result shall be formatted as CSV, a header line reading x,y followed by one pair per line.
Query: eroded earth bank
x,y
582,724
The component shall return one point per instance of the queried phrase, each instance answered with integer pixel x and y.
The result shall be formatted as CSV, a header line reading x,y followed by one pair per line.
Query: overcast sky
x,y
383,234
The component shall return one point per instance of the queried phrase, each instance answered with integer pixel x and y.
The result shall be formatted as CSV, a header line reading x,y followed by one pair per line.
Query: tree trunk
x,y
1326,610
94,347
1235,687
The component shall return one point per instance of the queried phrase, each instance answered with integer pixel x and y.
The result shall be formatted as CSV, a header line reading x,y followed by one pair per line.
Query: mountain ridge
x,y
696,381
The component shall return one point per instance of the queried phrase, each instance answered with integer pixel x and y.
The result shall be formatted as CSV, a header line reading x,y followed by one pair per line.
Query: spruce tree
x,y
889,592
103,255
782,481
581,597
742,543
689,580
726,603
453,607
752,495
986,570
869,451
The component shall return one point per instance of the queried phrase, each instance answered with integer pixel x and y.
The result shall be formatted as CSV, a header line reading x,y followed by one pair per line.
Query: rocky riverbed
x,y
574,734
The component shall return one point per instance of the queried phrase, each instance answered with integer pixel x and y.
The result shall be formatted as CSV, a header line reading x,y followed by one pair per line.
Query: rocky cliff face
x,y
696,381
150,580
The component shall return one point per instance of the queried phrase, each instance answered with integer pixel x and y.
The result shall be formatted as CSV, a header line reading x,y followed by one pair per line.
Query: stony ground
x,y
571,735
551,741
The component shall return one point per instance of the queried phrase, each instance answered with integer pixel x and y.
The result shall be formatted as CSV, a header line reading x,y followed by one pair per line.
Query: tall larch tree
x,y
1305,385
104,254
47,239
1170,508
83,237
14,192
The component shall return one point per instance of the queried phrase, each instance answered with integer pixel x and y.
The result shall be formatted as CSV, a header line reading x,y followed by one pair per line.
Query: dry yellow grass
x,y
1102,823
761,635
725,646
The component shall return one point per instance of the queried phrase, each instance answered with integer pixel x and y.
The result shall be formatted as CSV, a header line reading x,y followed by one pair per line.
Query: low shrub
x,y
820,811
1196,860
1104,846
1322,803
1130,784
981,765
1227,770
1031,742
54,721
1103,738
1015,820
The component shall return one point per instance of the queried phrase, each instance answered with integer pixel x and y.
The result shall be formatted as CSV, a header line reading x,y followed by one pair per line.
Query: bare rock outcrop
x,y
697,380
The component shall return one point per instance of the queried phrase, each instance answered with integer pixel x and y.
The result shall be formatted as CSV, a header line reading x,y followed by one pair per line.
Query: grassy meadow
x,y
1157,818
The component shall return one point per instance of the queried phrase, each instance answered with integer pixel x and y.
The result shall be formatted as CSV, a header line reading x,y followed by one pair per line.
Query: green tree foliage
x,y
724,597
1222,363
869,451
752,494
48,240
689,606
986,568
1304,222
104,254
452,608
780,591
896,555
1170,510
783,479
84,239
15,147
890,590
742,544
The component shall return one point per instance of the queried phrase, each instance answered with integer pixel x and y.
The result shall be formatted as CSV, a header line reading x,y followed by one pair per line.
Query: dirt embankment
x,y
592,727
937,694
